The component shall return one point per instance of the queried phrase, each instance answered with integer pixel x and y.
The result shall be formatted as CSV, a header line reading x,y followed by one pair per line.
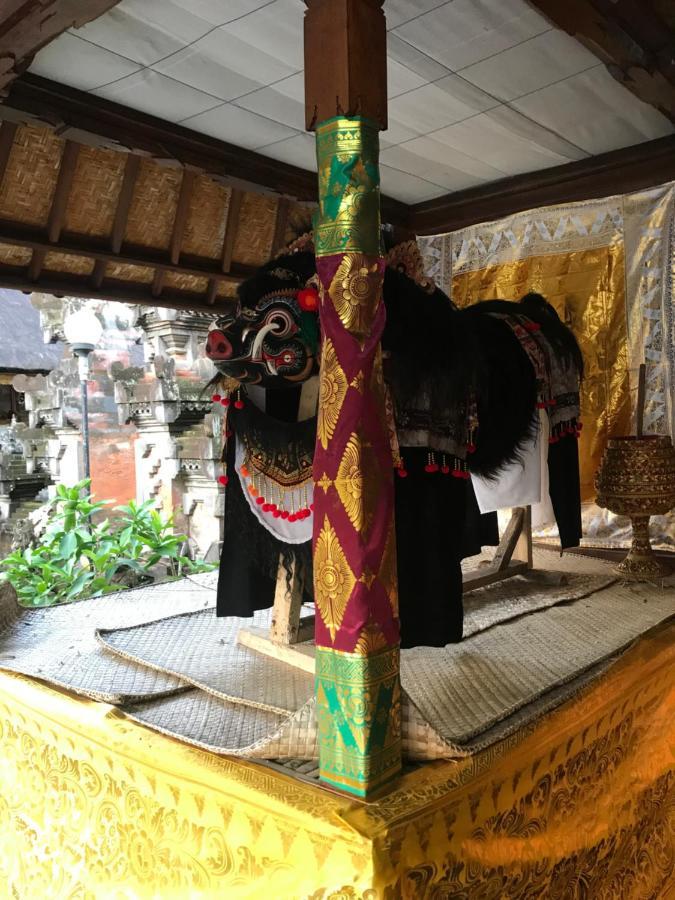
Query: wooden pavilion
x,y
156,153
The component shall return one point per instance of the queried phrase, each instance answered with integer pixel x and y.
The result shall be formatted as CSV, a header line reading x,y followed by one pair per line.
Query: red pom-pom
x,y
541,406
308,299
225,401
554,440
431,468
401,472
276,513
238,404
445,470
267,507
216,398
466,475
457,473
470,448
260,500
311,507
285,514
293,517
223,479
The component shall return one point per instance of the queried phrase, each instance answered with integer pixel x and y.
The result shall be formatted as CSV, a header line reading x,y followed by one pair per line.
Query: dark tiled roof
x,y
21,345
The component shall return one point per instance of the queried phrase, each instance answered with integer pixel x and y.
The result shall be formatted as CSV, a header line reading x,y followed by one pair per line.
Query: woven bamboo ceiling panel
x,y
478,89
92,221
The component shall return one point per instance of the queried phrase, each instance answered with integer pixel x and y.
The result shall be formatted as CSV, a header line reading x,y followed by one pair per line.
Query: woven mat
x,y
58,644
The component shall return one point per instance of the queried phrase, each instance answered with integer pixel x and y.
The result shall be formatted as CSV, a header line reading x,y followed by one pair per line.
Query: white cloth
x,y
523,483
297,532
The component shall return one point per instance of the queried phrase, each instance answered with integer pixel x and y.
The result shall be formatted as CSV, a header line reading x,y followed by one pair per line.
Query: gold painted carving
x,y
332,391
354,292
333,579
358,482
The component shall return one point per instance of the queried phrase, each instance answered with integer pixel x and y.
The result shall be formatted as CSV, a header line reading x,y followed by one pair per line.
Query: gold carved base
x,y
637,479
641,563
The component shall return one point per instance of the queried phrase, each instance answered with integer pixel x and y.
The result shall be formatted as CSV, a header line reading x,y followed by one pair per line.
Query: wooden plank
x,y
634,39
36,263
7,135
617,172
98,274
70,108
507,545
345,61
25,236
62,191
287,604
231,228
157,283
211,291
182,210
125,197
301,656
490,575
26,26
523,548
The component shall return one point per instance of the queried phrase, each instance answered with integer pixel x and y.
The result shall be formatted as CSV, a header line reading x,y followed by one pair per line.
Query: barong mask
x,y
271,336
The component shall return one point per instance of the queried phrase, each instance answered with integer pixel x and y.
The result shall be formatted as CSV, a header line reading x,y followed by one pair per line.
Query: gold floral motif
x,y
358,482
355,293
357,382
333,579
371,641
332,392
324,483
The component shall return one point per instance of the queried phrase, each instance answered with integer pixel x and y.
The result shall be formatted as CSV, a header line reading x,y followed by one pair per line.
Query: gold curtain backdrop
x,y
604,265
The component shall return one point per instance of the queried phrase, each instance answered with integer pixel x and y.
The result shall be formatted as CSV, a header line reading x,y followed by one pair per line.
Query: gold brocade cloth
x,y
606,266
93,807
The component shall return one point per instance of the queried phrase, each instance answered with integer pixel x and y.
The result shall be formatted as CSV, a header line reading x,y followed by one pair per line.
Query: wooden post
x,y
354,541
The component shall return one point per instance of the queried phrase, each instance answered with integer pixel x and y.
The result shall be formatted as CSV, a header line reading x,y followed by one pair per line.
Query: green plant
x,y
77,557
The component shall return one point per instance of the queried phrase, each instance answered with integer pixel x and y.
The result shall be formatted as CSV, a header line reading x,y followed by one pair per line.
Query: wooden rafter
x,y
31,238
58,207
28,25
67,108
7,135
636,39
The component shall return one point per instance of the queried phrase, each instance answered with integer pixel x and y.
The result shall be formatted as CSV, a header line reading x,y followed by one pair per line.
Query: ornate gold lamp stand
x,y
637,479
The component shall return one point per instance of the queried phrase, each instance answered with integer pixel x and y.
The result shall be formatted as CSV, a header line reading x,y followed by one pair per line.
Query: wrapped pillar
x,y
354,543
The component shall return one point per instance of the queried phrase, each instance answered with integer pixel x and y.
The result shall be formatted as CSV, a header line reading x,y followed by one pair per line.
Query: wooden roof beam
x,y
28,25
634,38
69,109
25,236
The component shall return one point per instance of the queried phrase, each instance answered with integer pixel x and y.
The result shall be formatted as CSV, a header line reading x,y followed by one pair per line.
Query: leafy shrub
x,y
77,558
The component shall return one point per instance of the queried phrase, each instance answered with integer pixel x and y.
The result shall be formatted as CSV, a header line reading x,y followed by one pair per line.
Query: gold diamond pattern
x,y
358,482
332,392
324,483
333,579
388,572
